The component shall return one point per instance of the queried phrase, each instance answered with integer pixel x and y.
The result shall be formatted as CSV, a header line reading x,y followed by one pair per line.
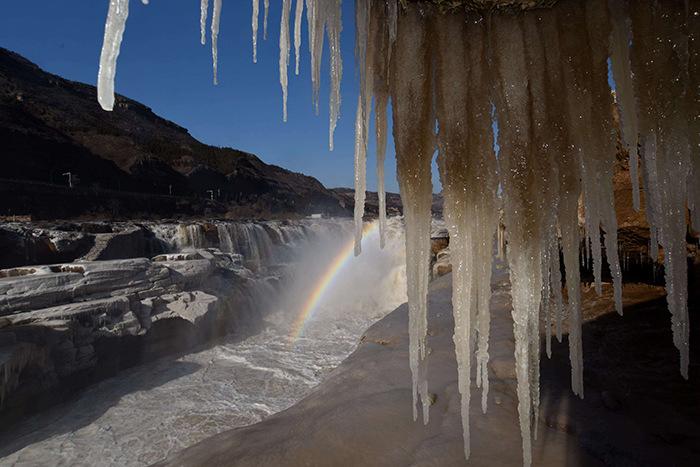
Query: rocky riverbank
x,y
637,410
65,326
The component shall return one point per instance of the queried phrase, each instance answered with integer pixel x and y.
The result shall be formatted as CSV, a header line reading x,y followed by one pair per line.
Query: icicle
x,y
362,44
546,305
215,18
466,159
411,86
203,12
267,10
620,38
380,109
316,30
520,167
451,105
556,286
663,121
114,31
284,53
297,33
485,177
254,21
334,26
603,157
575,63
379,50
360,169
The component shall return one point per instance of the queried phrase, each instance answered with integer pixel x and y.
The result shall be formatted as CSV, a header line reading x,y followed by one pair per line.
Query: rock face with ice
x,y
541,79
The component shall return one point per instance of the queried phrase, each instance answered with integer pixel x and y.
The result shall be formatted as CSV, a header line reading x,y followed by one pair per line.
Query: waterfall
x,y
261,244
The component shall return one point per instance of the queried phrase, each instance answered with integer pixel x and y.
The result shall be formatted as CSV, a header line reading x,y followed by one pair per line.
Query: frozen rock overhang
x,y
454,70
484,5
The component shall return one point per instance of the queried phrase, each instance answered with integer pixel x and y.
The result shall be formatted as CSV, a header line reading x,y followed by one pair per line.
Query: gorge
x,y
237,337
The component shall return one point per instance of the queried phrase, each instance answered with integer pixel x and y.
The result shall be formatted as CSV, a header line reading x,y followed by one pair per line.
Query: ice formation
x,y
254,24
284,53
542,77
299,12
267,10
215,21
203,12
466,159
114,31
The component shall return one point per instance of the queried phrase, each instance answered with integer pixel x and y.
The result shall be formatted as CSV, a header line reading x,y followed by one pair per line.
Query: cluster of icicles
x,y
323,17
542,75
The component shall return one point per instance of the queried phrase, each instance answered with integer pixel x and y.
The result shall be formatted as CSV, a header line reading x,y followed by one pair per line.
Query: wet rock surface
x,y
637,410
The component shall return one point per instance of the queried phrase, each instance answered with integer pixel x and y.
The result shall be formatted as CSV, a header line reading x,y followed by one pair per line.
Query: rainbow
x,y
326,279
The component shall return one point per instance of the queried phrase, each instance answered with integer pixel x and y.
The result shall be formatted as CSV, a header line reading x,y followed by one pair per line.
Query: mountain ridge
x,y
50,126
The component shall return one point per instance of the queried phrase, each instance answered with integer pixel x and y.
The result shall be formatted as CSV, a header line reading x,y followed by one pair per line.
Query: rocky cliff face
x,y
50,126
66,325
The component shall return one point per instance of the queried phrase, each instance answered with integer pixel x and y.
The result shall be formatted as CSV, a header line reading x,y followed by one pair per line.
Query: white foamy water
x,y
149,412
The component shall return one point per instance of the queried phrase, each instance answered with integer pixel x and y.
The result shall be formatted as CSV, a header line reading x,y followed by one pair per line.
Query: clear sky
x,y
163,65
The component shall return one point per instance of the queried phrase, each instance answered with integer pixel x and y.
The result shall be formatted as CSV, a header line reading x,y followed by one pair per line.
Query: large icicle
x,y
314,18
254,22
485,182
543,164
364,101
567,172
203,12
521,168
380,122
114,31
360,169
575,62
297,33
334,26
468,175
657,67
453,160
284,53
601,157
620,38
215,19
411,95
380,53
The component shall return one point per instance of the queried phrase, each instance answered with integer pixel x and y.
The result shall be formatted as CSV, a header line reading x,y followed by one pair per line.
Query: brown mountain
x,y
127,162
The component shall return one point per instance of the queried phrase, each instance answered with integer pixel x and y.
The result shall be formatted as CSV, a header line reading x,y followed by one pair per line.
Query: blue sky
x,y
163,65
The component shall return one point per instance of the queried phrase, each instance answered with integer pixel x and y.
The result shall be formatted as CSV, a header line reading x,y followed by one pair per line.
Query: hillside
x,y
50,126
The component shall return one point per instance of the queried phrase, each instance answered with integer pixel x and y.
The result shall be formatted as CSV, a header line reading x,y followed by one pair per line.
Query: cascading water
x,y
314,325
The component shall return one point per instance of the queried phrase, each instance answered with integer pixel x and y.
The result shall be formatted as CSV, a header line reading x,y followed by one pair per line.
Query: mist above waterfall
x,y
346,290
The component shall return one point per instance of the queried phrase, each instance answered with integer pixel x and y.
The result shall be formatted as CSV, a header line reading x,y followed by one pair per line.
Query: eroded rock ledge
x,y
64,326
